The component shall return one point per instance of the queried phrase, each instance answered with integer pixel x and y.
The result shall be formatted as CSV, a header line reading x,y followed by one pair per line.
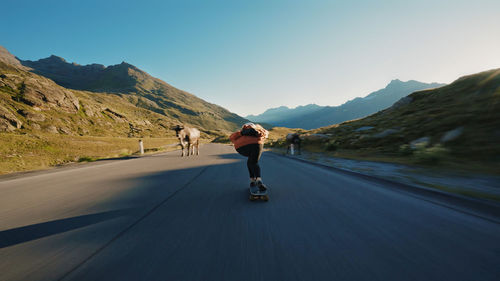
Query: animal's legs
x,y
182,149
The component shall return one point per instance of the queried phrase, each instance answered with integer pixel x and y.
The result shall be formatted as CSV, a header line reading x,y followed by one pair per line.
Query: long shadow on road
x,y
196,223
112,206
35,231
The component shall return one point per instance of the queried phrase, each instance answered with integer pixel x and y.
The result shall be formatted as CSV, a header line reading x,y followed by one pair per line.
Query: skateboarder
x,y
249,142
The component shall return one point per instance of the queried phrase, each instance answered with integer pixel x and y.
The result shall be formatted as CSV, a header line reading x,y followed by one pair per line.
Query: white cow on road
x,y
188,137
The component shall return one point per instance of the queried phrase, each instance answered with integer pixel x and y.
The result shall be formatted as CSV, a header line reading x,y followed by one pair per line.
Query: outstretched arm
x,y
234,136
263,133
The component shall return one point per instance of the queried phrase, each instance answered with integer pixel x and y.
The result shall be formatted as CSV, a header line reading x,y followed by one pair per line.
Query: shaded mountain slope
x,y
116,100
459,122
319,116
279,115
31,103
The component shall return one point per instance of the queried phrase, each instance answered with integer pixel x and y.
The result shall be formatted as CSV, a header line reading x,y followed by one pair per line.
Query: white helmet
x,y
249,124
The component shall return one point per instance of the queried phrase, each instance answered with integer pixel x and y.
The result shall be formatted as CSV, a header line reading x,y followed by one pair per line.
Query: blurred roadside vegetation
x,y
454,127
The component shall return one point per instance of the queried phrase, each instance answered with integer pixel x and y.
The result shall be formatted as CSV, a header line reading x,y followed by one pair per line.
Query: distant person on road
x,y
249,142
293,142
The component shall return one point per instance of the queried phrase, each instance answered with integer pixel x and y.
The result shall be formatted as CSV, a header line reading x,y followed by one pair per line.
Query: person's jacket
x,y
248,136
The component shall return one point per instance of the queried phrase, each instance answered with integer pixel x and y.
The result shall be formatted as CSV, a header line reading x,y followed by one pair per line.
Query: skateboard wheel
x,y
265,198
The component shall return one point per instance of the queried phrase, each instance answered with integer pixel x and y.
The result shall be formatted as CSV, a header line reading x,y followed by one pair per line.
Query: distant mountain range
x,y
279,115
314,116
458,123
55,96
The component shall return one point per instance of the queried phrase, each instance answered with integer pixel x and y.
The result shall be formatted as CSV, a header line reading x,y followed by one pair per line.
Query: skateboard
x,y
256,194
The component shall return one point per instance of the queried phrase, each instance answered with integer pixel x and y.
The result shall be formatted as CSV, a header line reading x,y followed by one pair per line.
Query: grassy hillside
x,y
43,124
26,152
32,103
456,126
140,89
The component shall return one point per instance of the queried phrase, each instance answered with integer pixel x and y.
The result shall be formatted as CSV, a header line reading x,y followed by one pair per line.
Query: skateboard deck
x,y
256,194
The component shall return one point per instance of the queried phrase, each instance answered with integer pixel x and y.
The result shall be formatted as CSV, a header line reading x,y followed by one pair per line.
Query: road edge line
x,y
480,208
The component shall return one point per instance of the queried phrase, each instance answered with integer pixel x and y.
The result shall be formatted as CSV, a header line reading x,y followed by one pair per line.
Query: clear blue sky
x,y
252,55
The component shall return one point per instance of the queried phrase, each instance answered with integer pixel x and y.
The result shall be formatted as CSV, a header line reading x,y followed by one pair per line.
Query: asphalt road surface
x,y
164,217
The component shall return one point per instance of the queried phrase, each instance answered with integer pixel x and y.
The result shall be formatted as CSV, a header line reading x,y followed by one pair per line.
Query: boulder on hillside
x,y
364,128
44,93
66,131
452,134
144,122
5,126
35,126
314,137
420,142
92,110
115,115
32,116
11,80
52,129
10,121
385,133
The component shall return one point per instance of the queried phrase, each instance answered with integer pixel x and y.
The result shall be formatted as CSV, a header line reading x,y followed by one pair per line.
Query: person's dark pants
x,y
253,152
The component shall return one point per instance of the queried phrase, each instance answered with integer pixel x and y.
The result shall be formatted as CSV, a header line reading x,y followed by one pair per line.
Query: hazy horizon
x,y
249,57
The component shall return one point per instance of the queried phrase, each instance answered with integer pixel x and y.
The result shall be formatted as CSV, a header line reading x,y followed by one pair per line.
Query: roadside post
x,y
141,147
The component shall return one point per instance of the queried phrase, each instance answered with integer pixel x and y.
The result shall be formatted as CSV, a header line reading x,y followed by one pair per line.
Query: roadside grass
x,y
462,191
279,133
435,158
316,154
24,152
455,127
86,159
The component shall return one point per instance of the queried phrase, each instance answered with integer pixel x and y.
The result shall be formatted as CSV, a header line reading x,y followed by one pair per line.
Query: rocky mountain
x,y
56,96
353,109
70,75
458,123
8,58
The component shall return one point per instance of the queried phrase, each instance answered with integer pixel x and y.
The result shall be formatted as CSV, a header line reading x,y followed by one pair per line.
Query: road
x,y
164,217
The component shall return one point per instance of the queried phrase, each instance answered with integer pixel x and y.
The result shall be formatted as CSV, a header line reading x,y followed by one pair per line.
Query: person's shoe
x,y
253,187
262,186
